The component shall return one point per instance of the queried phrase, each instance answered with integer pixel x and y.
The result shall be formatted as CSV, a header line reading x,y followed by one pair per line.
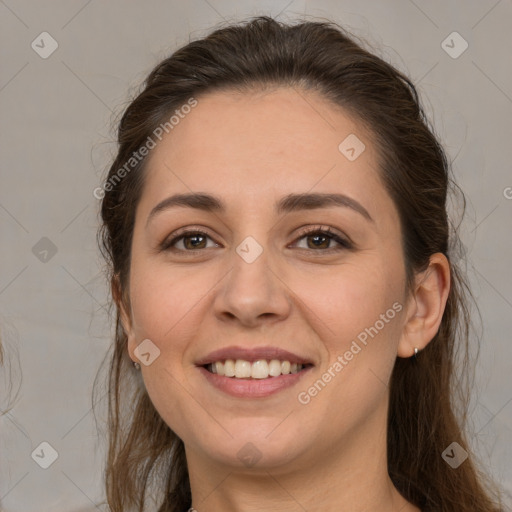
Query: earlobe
x,y
124,314
426,306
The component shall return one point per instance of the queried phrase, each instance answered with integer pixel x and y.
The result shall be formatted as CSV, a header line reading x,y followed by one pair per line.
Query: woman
x,y
287,309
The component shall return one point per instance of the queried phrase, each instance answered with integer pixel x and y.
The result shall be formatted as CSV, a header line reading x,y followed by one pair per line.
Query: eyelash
x,y
344,244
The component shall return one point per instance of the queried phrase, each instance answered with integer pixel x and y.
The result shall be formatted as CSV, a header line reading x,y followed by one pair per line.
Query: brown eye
x,y
319,241
189,240
322,239
194,241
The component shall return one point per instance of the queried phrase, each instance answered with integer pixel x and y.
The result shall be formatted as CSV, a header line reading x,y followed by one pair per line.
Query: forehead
x,y
260,130
241,145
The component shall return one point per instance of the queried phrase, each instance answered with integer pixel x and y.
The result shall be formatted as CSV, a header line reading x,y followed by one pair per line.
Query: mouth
x,y
255,370
248,373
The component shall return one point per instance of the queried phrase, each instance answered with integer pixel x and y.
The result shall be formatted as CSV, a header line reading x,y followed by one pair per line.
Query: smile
x,y
249,387
261,369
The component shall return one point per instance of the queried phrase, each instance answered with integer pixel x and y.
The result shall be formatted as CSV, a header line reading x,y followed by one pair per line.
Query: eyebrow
x,y
287,204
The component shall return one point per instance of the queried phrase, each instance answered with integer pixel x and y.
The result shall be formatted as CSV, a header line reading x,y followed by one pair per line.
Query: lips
x,y
253,354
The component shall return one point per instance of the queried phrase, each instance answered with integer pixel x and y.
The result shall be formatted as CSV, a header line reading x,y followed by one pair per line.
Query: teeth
x,y
274,368
219,368
260,369
229,367
242,369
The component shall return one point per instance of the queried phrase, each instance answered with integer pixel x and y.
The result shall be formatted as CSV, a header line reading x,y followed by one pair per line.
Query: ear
x,y
426,306
123,305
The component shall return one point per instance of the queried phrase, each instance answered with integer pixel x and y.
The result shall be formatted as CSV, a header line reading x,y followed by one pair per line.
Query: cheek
x,y
357,312
165,300
350,298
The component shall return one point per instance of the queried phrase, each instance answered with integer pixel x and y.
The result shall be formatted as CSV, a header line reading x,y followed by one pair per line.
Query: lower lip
x,y
253,388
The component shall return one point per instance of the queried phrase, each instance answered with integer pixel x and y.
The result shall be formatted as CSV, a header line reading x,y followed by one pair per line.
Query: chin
x,y
253,457
256,447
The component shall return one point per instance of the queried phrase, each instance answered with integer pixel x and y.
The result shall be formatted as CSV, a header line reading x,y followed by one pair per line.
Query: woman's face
x,y
265,277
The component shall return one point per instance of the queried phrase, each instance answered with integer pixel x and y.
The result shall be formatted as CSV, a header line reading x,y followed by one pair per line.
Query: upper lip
x,y
252,354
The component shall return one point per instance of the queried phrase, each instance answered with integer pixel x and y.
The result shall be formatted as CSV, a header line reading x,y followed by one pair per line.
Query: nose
x,y
252,292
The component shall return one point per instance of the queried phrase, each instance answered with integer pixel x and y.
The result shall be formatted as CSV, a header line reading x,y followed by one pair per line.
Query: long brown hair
x,y
428,400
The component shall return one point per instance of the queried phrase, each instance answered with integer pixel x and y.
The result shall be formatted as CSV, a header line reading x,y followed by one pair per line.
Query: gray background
x,y
56,118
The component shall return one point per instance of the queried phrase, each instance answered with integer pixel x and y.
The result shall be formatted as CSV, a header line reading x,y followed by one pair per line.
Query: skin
x,y
250,150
